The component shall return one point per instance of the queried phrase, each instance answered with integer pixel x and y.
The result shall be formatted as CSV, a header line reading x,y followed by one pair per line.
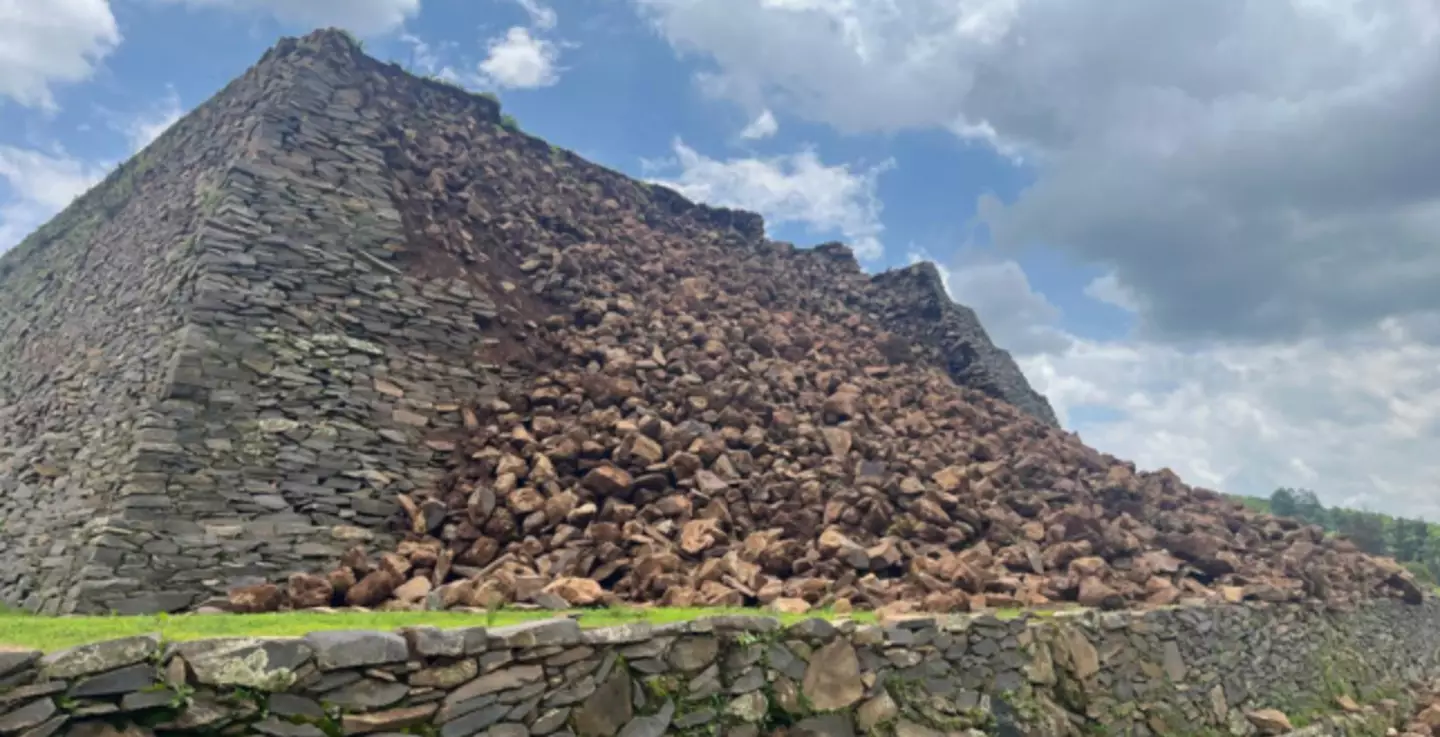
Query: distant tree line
x,y
1413,542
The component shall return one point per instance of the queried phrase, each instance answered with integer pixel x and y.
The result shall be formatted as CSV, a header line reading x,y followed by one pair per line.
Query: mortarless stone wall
x,y
92,309
919,308
1189,671
225,362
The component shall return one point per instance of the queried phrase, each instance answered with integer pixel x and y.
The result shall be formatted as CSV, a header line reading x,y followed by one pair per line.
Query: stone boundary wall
x,y
1187,671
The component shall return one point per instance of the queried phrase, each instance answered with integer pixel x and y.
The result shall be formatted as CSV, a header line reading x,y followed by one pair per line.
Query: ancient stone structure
x,y
927,315
1233,670
224,362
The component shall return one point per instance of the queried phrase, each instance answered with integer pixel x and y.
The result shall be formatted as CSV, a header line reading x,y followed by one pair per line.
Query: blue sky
x,y
1198,231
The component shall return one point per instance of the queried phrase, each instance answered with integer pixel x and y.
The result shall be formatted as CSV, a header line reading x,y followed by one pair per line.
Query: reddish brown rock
x,y
265,597
687,412
373,589
608,481
307,591
576,591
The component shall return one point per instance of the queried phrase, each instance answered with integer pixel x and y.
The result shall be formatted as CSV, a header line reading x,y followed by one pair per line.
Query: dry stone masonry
x,y
1233,670
349,332
223,363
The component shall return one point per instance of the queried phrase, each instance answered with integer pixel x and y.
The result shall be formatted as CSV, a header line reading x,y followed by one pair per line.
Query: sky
x,y
1208,230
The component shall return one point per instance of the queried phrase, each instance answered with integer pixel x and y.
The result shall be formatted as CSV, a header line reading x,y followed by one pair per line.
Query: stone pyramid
x,y
226,361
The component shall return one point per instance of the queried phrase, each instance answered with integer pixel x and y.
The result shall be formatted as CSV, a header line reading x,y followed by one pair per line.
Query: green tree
x,y
1309,508
1282,503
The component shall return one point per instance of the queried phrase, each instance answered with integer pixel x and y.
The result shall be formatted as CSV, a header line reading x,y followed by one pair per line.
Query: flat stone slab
x,y
98,657
563,631
120,681
337,649
12,661
32,714
252,662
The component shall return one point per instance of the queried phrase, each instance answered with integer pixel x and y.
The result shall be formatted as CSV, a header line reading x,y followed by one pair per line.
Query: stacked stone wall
x,y
1192,671
229,361
316,379
92,307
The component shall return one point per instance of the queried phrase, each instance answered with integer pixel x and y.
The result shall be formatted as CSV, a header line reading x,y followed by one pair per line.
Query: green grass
x,y
53,633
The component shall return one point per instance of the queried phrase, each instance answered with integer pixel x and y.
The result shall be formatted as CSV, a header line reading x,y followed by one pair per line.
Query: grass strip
x,y
22,630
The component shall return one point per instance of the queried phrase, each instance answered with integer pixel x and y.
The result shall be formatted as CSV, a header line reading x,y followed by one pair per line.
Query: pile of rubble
x,y
705,417
1425,721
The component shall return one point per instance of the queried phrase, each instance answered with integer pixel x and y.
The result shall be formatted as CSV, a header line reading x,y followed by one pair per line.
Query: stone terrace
x,y
1177,671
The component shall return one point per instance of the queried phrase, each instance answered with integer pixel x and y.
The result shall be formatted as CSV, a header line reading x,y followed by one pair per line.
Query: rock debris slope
x,y
689,413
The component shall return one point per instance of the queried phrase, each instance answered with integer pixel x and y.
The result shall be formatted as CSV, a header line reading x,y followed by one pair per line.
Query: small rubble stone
x,y
149,699
292,706
445,676
550,721
690,654
1269,721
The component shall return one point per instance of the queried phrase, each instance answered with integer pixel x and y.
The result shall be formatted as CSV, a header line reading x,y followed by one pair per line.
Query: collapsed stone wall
x,y
225,362
921,309
1192,671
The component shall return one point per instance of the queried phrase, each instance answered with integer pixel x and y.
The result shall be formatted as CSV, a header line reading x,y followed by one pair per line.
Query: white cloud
x,y
541,17
763,126
140,130
1108,289
44,44
1257,177
1246,168
1017,318
795,188
1354,419
40,184
520,60
365,17
427,60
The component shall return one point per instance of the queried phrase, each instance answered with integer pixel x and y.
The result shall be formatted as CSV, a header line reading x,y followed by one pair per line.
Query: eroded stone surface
x,y
99,657
266,664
